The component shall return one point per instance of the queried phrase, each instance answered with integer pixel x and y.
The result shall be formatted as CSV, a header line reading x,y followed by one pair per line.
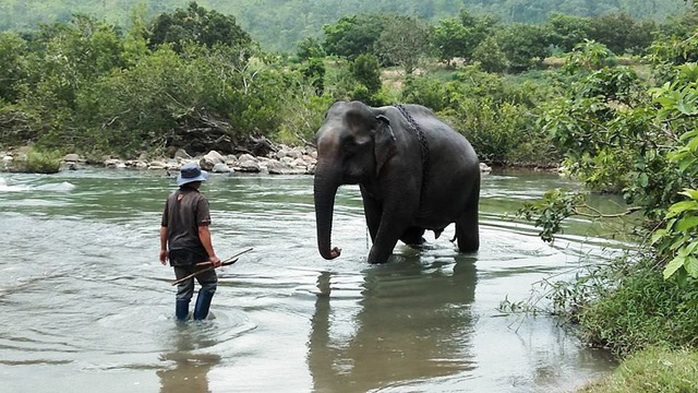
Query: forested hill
x,y
280,24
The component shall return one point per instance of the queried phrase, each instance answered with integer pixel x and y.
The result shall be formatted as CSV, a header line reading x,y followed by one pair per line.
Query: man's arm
x,y
163,245
205,237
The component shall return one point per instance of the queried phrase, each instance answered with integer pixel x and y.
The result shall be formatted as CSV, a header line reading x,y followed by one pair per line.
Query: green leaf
x,y
687,223
658,235
673,266
691,266
693,194
681,207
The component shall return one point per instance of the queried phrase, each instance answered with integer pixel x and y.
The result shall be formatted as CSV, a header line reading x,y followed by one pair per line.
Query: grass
x,y
641,311
653,370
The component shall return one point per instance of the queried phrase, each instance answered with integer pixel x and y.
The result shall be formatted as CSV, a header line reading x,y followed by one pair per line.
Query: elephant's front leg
x,y
393,224
373,210
383,246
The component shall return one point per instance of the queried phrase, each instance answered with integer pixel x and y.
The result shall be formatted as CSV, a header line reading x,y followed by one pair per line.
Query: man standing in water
x,y
185,240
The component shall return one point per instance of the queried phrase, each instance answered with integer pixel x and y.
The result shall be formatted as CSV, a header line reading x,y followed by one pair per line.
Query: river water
x,y
88,307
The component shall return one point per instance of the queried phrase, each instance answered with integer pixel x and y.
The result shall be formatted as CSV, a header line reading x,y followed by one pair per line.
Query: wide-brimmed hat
x,y
191,173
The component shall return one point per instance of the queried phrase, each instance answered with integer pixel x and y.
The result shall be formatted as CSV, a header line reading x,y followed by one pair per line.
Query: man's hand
x,y
163,257
214,261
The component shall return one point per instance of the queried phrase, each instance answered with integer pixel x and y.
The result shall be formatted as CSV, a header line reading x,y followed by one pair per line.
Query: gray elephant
x,y
415,173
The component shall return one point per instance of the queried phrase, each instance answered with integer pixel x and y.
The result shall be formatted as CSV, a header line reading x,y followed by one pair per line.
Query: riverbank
x,y
284,160
651,370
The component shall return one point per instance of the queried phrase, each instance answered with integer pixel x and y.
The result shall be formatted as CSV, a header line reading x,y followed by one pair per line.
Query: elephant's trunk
x,y
325,188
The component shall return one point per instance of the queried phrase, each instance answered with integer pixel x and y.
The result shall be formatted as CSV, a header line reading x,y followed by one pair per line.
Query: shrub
x,y
39,161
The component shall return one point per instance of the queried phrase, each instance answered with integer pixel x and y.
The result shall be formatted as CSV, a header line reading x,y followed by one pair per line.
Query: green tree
x,y
490,56
525,45
404,42
13,50
366,71
621,33
458,37
353,35
198,25
566,31
309,48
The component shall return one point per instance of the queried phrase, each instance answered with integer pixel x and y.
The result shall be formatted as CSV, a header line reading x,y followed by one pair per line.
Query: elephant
x,y
415,174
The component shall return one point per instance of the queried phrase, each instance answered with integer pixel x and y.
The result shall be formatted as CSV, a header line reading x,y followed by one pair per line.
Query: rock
x,y
484,168
7,159
210,160
231,160
248,163
221,168
157,165
282,168
71,157
182,154
114,163
138,164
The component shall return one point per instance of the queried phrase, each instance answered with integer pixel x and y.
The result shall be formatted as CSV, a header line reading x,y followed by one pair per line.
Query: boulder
x,y
210,160
114,163
71,157
221,168
248,163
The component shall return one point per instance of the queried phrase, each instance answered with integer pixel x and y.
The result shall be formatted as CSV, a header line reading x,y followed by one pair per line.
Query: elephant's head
x,y
353,145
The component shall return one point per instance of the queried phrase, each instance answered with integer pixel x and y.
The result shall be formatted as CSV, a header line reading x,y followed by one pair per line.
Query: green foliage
x,y
619,133
280,24
490,56
366,71
641,309
314,74
404,42
310,48
549,213
353,35
566,31
677,238
601,125
621,33
13,72
196,24
39,161
458,37
524,45
495,115
653,370
424,91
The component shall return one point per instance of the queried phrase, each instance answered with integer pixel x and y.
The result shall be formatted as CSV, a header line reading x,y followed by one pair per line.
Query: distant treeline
x,y
279,24
194,78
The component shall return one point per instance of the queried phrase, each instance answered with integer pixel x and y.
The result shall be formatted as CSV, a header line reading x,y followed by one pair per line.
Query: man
x,y
185,240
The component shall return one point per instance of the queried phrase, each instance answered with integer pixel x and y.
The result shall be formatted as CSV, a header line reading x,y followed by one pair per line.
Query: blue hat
x,y
191,173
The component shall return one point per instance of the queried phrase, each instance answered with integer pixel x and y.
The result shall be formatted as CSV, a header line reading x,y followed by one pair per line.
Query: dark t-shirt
x,y
185,210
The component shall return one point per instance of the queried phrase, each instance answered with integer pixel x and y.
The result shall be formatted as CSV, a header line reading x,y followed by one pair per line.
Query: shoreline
x,y
286,160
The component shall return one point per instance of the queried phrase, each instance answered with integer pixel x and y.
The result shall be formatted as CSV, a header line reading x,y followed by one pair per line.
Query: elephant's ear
x,y
385,145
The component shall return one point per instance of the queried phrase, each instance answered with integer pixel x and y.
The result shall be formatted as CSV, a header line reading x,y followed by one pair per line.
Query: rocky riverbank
x,y
285,160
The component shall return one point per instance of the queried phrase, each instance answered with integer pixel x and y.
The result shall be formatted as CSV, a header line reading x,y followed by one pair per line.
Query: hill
x,y
279,24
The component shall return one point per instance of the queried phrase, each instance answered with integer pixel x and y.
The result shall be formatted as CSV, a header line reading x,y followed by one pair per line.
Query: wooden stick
x,y
196,273
208,263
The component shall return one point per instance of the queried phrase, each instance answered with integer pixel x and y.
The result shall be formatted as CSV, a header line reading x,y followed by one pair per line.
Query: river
x,y
88,307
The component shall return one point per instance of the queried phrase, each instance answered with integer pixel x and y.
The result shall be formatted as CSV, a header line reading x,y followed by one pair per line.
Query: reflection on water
x,y
413,322
187,369
91,308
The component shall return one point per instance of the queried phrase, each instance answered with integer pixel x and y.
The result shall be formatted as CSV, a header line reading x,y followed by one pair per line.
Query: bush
x,y
644,310
39,161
